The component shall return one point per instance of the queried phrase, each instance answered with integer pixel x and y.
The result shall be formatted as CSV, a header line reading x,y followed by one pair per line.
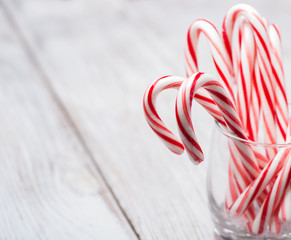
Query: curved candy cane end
x,y
186,131
153,118
195,159
244,7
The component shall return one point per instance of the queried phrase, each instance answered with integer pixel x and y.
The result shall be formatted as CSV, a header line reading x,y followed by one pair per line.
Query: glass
x,y
227,227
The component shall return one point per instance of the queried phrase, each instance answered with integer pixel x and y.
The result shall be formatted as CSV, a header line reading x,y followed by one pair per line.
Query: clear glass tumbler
x,y
239,226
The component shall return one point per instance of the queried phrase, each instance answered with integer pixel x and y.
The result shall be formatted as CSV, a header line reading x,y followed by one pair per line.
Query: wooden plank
x,y
49,187
99,57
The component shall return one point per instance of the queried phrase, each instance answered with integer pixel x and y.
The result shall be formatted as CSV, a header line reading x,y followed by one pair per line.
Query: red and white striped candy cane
x,y
280,88
232,190
266,88
264,61
240,42
284,213
259,184
154,120
229,23
275,224
220,56
248,169
222,99
274,197
243,61
255,105
244,55
221,60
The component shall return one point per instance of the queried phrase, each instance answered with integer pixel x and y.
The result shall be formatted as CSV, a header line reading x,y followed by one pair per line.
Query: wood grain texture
x,y
49,187
98,57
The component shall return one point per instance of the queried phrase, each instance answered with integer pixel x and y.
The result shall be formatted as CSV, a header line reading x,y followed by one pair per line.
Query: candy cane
x,y
274,197
280,96
229,23
222,99
152,117
266,88
232,16
245,73
243,61
255,105
221,61
237,181
264,61
232,191
243,56
275,224
186,131
259,184
239,41
257,65
284,213
220,57
154,120
276,206
219,53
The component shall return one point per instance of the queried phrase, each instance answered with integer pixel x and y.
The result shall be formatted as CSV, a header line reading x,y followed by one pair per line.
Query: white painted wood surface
x,y
49,186
84,66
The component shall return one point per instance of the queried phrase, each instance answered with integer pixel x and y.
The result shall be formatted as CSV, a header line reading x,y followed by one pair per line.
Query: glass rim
x,y
250,142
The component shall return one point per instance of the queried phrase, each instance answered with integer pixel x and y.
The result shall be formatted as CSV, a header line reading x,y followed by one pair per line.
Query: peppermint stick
x,y
156,123
280,96
266,85
274,197
222,99
259,184
243,56
219,53
222,63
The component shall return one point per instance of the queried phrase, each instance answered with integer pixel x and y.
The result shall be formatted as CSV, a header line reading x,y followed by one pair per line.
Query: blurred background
x,y
78,160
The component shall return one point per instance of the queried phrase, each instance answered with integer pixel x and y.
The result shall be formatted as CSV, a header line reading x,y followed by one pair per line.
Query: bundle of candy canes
x,y
249,89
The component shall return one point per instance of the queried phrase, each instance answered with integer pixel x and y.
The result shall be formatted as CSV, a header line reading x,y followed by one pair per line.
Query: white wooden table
x,y
78,160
